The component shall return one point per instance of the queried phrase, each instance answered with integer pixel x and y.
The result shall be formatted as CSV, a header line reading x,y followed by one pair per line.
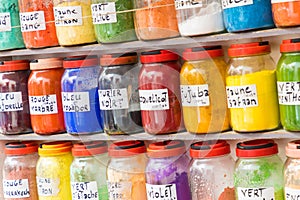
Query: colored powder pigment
x,y
228,194
286,13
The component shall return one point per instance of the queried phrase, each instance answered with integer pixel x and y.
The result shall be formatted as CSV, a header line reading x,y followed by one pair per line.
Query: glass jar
x,y
88,171
14,109
73,21
202,83
251,88
80,98
247,15
53,171
37,23
126,170
155,19
118,94
286,12
44,90
211,171
167,171
19,171
258,171
288,78
159,91
111,27
199,18
10,30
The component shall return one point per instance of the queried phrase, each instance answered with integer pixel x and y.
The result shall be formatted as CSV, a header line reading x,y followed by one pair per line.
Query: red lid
x,y
126,148
158,56
47,63
89,148
118,59
15,65
211,148
248,49
80,61
165,149
256,148
198,53
291,45
20,148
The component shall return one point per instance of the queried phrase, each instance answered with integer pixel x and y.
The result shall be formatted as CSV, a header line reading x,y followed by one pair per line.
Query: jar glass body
x,y
257,76
123,117
14,83
286,13
212,116
11,38
83,116
74,29
44,90
43,33
291,174
155,19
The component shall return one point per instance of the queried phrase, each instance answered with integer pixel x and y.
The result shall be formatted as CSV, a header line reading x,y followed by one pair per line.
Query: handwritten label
x,y
84,190
235,3
291,194
195,95
11,101
256,193
282,1
119,190
76,101
154,99
43,105
16,189
113,99
32,21
104,13
68,16
242,96
184,4
5,22
47,187
288,93
161,192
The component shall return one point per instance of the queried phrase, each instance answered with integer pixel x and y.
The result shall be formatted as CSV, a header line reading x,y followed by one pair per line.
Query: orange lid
x,y
15,65
198,53
126,148
118,59
211,148
89,148
165,149
80,61
54,148
47,63
20,148
248,49
292,149
291,45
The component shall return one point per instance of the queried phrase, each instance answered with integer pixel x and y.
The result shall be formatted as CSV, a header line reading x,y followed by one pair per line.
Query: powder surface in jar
x,y
286,13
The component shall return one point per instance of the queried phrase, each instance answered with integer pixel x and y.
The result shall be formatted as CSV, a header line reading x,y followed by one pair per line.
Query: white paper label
x,y
43,105
5,22
256,193
161,192
194,95
235,3
16,189
11,101
291,194
288,93
242,96
32,21
282,1
184,4
104,13
68,16
113,99
76,101
47,187
154,99
119,190
84,190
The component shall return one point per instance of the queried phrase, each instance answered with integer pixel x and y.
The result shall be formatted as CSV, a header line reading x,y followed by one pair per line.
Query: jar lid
x,y
290,45
80,61
14,65
158,56
198,53
211,148
47,63
54,148
292,149
165,149
248,49
118,59
89,148
126,148
20,148
256,148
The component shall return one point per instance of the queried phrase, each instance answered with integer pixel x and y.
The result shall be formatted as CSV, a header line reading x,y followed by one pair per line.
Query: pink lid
x,y
292,149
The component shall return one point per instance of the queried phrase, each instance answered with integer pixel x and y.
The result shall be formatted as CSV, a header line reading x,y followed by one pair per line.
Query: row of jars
x,y
45,23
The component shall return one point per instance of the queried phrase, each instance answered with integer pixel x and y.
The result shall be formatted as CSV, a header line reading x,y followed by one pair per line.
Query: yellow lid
x,y
55,148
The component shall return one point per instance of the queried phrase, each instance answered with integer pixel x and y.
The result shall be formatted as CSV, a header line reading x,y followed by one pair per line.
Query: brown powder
x,y
227,194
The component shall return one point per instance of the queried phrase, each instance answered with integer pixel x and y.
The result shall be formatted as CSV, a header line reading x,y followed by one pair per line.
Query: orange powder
x,y
286,13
